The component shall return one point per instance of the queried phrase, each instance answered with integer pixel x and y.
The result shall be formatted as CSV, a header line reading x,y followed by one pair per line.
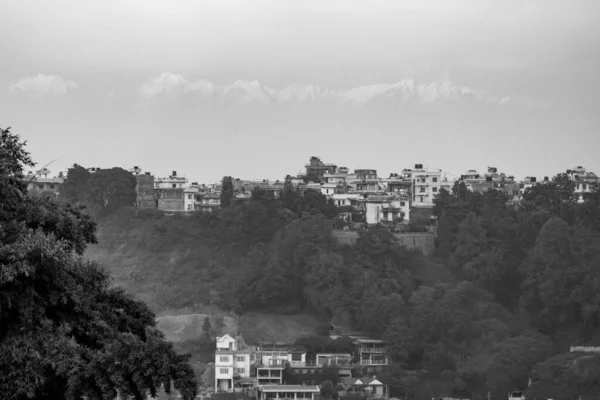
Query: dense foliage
x,y
65,331
511,287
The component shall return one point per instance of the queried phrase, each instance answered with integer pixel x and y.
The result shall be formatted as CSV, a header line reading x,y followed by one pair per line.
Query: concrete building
x,y
426,184
210,202
173,181
288,392
171,200
146,196
585,181
189,198
234,364
41,181
316,169
387,209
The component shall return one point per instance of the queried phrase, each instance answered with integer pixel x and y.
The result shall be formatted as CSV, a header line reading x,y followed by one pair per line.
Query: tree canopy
x,y
65,330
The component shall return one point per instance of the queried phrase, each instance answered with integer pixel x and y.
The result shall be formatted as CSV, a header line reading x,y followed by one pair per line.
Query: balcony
x,y
378,350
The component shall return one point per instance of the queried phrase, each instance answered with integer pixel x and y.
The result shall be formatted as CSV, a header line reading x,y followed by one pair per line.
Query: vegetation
x,y
510,288
65,332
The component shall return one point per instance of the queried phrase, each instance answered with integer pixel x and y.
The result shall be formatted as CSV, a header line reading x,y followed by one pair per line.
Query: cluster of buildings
x,y
259,370
401,197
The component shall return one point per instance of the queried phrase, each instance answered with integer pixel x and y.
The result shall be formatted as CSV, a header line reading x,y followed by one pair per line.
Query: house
x,y
343,362
189,198
426,184
209,202
40,182
372,352
144,188
234,364
386,209
287,392
170,199
272,360
173,181
316,169
585,181
329,189
371,388
338,178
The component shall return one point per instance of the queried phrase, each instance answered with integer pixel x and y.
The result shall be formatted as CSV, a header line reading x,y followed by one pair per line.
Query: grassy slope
x,y
179,277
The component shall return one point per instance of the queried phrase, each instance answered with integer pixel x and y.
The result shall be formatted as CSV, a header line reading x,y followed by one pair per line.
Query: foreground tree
x,y
64,331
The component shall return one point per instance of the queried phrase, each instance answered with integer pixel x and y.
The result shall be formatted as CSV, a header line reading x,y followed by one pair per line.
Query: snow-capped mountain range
x,y
247,93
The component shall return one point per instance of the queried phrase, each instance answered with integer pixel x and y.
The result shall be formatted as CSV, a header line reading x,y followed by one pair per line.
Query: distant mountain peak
x,y
254,92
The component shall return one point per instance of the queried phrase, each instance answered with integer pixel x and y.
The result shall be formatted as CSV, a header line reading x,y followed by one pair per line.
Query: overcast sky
x,y
72,71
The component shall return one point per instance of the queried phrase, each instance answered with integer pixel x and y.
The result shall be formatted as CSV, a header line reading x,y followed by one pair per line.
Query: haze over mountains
x,y
243,93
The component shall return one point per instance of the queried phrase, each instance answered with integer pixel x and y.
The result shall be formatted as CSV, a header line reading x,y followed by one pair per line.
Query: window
x,y
434,189
434,179
421,199
224,371
224,358
402,204
174,185
52,186
240,358
41,186
422,189
583,186
240,370
189,196
296,357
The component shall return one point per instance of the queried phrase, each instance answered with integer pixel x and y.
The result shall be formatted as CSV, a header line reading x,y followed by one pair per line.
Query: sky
x,y
203,87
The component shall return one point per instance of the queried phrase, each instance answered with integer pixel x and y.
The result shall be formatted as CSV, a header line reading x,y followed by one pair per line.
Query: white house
x,y
233,364
585,181
171,182
189,198
328,189
384,208
427,183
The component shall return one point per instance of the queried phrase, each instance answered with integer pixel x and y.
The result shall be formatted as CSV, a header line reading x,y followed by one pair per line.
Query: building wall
x,y
146,197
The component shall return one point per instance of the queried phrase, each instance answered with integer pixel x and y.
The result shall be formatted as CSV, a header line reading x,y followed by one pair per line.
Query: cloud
x,y
44,85
166,84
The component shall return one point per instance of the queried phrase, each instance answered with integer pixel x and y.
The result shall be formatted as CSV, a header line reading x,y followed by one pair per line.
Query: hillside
x,y
169,263
505,294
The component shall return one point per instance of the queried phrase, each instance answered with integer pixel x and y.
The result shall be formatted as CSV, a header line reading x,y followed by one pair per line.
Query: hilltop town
x,y
360,195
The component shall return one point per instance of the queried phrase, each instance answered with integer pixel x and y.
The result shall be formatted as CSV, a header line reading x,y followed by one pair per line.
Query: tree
x,y
65,332
110,189
566,376
75,186
207,328
227,192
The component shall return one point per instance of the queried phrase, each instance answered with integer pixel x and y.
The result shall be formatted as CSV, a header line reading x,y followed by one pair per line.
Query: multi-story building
x,y
426,184
272,360
369,352
316,169
173,181
398,184
585,181
234,364
189,198
386,209
144,188
209,202
372,352
40,182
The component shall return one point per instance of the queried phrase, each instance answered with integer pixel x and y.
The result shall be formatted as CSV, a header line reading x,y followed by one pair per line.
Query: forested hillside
x,y
509,290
